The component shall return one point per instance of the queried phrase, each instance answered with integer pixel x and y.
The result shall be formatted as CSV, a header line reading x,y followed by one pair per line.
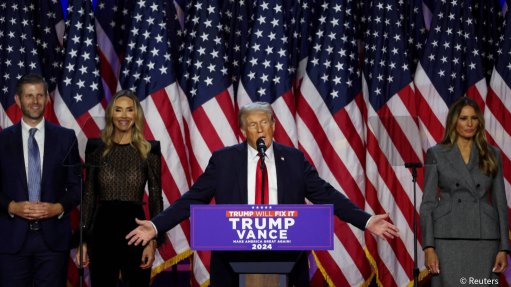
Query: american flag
x,y
392,133
267,71
451,67
18,55
331,130
455,62
147,69
78,94
415,30
489,20
49,33
49,29
207,71
498,108
112,33
77,100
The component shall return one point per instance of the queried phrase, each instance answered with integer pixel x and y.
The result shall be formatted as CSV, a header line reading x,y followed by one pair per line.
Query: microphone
x,y
261,146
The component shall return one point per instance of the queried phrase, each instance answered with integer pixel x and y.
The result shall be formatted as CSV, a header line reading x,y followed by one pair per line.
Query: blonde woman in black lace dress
x,y
119,166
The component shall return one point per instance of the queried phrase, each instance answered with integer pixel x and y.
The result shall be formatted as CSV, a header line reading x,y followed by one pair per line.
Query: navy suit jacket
x,y
225,180
60,183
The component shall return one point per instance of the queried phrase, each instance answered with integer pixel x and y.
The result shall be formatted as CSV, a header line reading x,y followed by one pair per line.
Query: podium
x,y
262,239
277,264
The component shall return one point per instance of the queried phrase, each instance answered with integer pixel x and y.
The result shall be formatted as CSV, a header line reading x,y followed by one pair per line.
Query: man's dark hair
x,y
31,79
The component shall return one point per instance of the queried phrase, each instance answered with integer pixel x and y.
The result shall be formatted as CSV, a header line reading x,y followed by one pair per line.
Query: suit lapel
x,y
475,173
19,157
458,164
49,134
280,167
241,171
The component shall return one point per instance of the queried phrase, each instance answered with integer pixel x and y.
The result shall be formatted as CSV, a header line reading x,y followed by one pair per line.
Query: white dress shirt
x,y
39,137
269,162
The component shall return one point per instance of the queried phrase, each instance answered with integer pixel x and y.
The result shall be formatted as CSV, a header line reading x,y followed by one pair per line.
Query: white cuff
x,y
154,226
369,220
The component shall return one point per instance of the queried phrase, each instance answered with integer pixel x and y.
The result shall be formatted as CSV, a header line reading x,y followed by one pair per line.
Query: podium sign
x,y
262,227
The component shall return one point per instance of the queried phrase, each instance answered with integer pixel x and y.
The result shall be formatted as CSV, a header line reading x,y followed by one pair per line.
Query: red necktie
x,y
259,176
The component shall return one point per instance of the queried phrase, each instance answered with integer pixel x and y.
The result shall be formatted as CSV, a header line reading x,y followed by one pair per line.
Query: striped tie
x,y
34,168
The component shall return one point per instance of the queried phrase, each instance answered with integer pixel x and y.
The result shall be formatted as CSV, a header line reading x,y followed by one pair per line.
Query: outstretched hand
x,y
379,226
144,233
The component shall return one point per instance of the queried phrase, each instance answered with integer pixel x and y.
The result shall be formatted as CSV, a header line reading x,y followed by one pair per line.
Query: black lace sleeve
x,y
154,184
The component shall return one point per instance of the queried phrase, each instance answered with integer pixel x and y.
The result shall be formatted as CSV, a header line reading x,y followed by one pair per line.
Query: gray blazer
x,y
459,201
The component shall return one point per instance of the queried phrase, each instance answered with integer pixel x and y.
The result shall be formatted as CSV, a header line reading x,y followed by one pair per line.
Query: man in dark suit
x,y
230,178
39,185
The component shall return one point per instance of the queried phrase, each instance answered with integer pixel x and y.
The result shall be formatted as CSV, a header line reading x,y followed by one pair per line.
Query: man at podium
x,y
233,176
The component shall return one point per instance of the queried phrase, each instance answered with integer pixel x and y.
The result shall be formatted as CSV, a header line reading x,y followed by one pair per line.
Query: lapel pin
x,y
282,158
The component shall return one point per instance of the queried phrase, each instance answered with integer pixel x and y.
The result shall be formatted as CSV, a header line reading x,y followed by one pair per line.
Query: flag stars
x,y
70,67
211,9
88,41
253,61
261,92
80,83
83,69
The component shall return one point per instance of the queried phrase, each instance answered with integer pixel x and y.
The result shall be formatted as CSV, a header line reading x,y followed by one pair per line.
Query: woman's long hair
x,y
137,129
487,159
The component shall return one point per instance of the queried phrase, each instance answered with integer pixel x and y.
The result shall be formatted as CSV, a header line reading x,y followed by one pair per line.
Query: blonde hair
x,y
137,129
487,159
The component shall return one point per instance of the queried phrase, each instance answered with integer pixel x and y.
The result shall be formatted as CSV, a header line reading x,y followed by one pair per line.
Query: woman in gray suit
x,y
464,208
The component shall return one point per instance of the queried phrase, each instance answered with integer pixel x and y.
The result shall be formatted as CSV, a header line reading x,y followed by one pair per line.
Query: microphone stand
x,y
413,166
80,232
